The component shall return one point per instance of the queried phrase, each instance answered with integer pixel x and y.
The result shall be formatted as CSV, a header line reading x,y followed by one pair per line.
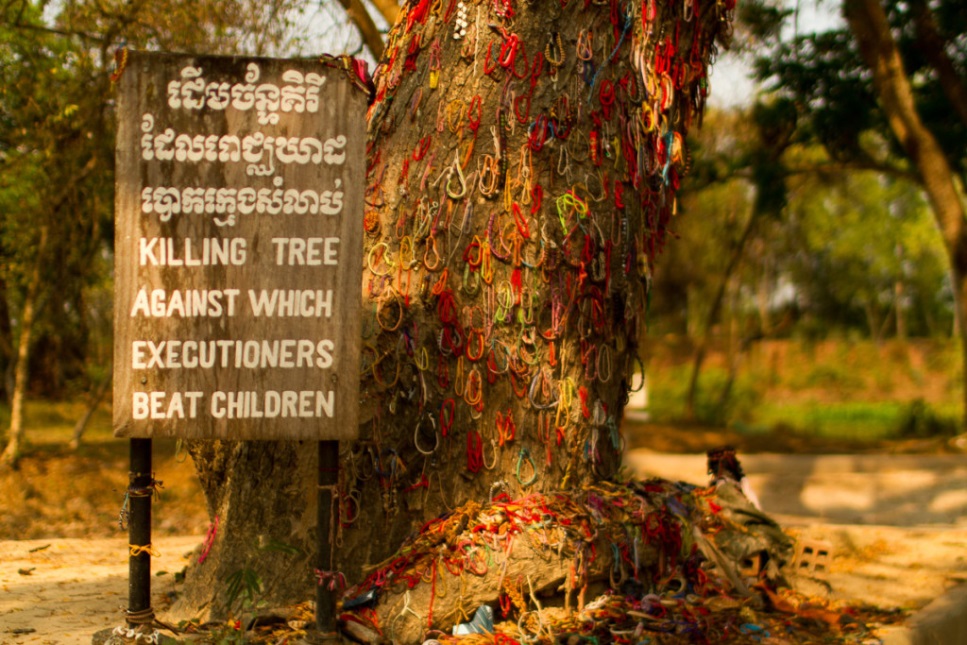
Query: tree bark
x,y
523,164
867,21
261,501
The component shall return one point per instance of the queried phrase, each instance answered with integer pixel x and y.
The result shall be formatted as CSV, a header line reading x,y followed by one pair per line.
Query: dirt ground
x,y
63,560
57,493
64,590
63,557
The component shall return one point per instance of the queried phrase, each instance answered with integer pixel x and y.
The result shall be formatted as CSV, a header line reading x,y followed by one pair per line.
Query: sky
x,y
729,78
731,85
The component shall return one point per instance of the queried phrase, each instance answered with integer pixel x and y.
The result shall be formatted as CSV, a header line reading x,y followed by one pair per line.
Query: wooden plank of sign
x,y
239,316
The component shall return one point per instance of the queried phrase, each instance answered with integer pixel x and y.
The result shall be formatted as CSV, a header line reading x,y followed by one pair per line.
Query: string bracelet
x,y
120,62
332,579
473,392
416,438
381,307
135,550
525,456
209,540
447,414
493,447
475,459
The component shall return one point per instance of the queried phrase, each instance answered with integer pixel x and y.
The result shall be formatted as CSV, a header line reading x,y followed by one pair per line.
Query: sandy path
x,y
77,587
888,566
74,587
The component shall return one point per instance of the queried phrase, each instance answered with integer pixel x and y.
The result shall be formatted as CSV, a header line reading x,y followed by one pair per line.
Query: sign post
x,y
140,489
238,250
328,516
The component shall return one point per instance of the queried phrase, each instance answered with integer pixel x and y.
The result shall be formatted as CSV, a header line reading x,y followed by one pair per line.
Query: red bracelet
x,y
522,226
474,451
474,124
447,412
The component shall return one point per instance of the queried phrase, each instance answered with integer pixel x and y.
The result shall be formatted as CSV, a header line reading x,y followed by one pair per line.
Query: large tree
x,y
523,161
888,91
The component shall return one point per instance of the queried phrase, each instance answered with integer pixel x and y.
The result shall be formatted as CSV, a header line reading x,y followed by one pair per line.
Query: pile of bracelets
x,y
633,563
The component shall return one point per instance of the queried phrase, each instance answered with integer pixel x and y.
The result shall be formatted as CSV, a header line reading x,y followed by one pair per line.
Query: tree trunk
x,y
960,307
763,294
872,320
260,498
96,397
734,352
21,379
7,362
523,163
899,291
867,21
898,313
713,313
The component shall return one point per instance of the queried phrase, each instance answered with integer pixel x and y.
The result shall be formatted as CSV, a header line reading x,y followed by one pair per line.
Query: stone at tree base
x,y
576,561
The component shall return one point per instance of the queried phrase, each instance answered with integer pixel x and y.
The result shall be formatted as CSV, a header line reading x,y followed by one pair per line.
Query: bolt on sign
x,y
238,248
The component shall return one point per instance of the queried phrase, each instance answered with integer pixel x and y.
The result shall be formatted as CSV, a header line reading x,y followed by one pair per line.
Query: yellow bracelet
x,y
136,550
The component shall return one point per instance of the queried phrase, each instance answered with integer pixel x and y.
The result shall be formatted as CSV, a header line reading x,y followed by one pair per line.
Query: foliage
x,y
57,156
55,195
907,125
243,589
851,246
824,75
245,593
920,421
203,26
843,250
717,403
853,241
841,388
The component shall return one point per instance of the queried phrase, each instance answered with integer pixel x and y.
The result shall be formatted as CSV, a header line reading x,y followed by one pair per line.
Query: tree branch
x,y
389,9
869,165
867,20
826,169
931,45
59,32
367,28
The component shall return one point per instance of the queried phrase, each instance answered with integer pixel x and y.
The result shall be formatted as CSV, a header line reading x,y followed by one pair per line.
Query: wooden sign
x,y
238,249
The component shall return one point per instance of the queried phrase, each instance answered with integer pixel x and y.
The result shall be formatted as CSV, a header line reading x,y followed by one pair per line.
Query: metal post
x,y
140,490
328,477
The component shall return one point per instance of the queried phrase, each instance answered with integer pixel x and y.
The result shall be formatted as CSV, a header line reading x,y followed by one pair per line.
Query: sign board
x,y
239,205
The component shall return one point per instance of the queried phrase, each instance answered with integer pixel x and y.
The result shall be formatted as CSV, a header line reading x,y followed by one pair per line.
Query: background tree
x,y
842,249
761,159
856,92
54,200
523,163
865,253
57,155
